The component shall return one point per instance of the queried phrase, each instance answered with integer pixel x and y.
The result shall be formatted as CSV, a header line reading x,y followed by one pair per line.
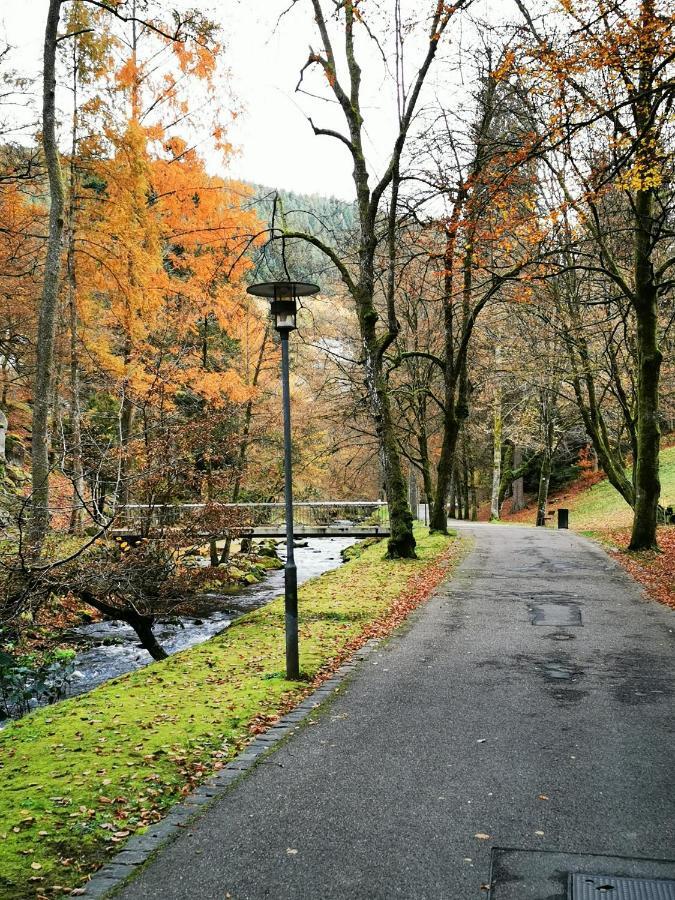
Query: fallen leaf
x,y
543,797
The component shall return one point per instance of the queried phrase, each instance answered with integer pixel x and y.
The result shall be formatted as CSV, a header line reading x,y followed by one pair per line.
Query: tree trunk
x,y
427,484
496,440
413,493
507,471
4,424
465,479
542,495
452,498
39,521
647,484
456,396
214,558
474,494
142,625
611,461
517,486
401,544
127,415
77,474
547,459
438,519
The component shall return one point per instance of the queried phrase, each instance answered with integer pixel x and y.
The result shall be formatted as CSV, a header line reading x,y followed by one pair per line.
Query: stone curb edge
x,y
141,847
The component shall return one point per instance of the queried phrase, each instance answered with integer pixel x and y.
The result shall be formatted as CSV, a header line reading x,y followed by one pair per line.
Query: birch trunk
x,y
39,518
77,474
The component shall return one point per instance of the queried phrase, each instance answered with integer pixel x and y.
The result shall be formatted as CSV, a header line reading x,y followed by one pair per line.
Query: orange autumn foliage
x,y
161,251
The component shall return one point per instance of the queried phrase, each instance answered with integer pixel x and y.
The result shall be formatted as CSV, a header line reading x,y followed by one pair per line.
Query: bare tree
x,y
377,217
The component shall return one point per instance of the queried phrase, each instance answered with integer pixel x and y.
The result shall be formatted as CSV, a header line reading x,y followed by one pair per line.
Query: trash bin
x,y
563,518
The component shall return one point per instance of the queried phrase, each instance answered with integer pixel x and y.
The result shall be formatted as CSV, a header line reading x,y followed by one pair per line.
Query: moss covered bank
x,y
80,777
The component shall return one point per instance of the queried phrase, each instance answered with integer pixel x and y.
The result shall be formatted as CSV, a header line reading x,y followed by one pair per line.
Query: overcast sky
x,y
275,142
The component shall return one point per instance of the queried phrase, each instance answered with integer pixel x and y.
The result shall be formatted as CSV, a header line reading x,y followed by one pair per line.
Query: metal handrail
x,y
308,513
308,503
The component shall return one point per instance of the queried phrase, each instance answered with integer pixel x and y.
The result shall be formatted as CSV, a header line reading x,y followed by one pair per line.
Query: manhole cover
x,y
535,874
555,615
592,887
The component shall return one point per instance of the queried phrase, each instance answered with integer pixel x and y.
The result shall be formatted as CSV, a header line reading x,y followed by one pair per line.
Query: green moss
x,y
601,506
78,776
356,550
270,562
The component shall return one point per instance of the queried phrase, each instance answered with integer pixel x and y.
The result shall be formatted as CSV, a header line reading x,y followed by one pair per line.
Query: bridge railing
x,y
243,516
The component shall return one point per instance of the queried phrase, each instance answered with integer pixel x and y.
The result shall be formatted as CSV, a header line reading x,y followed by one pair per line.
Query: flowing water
x,y
112,648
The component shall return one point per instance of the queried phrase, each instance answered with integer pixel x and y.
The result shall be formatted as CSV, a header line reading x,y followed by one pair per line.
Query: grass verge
x,y
602,514
80,777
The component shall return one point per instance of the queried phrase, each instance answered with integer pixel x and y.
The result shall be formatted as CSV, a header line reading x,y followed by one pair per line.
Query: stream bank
x,y
110,649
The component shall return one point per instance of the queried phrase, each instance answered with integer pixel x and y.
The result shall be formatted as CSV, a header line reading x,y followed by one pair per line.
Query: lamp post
x,y
283,296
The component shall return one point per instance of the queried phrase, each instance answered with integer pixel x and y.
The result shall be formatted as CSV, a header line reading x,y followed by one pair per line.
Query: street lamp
x,y
284,306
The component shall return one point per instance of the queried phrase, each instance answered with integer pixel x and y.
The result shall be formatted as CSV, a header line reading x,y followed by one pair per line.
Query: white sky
x,y
275,142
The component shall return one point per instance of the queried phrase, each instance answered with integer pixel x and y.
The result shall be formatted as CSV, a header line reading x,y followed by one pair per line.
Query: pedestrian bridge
x,y
325,518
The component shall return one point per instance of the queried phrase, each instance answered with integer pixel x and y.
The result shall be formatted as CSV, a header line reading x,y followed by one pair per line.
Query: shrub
x,y
27,681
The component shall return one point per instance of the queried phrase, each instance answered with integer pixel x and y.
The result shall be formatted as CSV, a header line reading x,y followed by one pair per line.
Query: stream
x,y
112,648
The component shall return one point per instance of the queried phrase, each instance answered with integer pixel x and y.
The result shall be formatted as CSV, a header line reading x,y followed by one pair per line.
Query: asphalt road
x,y
471,728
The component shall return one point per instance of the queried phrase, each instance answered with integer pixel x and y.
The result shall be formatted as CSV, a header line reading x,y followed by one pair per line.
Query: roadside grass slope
x,y
81,776
602,508
602,514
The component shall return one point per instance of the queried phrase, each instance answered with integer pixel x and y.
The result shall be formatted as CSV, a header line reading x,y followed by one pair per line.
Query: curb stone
x,y
140,847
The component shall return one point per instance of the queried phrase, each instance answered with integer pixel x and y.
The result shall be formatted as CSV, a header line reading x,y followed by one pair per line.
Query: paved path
x,y
459,725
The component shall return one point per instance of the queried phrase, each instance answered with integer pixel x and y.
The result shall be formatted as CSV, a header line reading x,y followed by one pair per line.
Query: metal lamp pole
x,y
290,570
284,296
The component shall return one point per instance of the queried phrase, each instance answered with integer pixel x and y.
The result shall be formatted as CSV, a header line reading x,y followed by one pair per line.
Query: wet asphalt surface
x,y
471,728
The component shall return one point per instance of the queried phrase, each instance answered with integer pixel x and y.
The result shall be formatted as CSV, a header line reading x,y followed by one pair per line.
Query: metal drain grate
x,y
594,887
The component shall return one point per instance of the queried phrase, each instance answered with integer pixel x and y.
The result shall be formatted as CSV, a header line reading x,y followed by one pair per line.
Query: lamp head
x,y
284,300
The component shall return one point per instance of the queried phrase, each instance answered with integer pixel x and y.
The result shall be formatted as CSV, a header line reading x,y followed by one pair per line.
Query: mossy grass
x,y
80,776
602,508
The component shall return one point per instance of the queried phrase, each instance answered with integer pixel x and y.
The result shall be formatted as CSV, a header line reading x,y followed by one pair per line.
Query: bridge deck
x,y
324,518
